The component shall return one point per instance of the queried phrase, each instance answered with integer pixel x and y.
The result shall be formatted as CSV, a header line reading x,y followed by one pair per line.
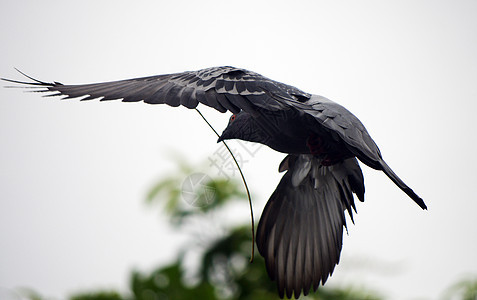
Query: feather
x,y
188,98
222,99
212,101
305,224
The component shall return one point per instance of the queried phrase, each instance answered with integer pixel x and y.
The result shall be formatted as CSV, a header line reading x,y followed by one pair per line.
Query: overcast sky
x,y
73,176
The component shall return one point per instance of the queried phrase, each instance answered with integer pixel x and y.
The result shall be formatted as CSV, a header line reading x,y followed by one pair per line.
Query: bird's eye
x,y
232,118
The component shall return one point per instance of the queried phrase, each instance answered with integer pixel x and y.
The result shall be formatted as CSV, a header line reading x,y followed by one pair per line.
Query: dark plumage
x,y
301,229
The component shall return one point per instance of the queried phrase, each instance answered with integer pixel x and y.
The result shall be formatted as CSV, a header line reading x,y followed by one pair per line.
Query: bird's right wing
x,y
222,88
301,229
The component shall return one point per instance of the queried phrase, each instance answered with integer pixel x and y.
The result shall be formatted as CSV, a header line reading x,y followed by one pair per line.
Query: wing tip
x,y
35,82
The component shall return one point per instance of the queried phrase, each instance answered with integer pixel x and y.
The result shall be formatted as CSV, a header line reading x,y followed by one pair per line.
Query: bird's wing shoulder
x,y
347,126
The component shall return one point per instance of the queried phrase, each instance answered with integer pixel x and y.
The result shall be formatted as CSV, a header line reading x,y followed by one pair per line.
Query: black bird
x,y
301,228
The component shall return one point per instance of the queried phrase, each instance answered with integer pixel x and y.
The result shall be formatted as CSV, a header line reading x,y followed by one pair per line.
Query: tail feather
x,y
390,173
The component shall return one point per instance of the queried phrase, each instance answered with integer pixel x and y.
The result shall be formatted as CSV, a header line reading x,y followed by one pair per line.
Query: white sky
x,y
73,175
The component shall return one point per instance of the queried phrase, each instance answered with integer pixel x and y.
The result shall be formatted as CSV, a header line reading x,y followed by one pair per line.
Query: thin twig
x,y
244,183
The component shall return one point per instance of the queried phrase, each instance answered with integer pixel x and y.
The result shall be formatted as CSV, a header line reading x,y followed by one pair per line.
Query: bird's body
x,y
290,131
301,228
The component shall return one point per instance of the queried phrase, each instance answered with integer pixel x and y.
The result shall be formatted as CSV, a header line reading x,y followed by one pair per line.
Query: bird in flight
x,y
300,231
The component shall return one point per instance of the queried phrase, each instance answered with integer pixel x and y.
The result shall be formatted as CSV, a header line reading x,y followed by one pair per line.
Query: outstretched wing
x,y
233,89
223,88
301,229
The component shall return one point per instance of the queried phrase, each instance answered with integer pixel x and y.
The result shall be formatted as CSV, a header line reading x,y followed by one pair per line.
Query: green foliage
x,y
31,294
168,283
168,193
100,295
227,266
465,289
224,270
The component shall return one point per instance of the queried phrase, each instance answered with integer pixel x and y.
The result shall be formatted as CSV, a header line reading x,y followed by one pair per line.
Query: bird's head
x,y
242,126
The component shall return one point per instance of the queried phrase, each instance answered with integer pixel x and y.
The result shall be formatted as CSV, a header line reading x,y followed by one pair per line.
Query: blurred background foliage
x,y
223,270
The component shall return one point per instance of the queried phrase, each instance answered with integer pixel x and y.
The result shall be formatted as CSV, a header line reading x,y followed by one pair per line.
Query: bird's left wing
x,y
300,232
222,88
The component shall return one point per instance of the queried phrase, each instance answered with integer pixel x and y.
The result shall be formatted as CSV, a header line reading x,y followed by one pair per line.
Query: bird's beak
x,y
224,136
